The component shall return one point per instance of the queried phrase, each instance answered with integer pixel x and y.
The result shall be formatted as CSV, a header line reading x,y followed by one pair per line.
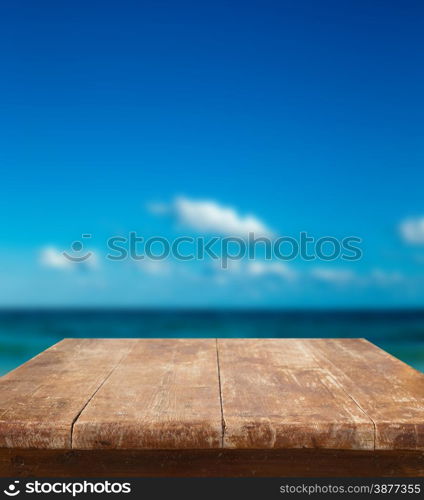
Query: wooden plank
x,y
388,390
164,395
210,463
41,399
284,353
276,395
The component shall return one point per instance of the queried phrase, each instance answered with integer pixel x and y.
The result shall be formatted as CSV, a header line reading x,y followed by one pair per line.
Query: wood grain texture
x,y
40,400
389,391
272,397
135,394
164,395
210,463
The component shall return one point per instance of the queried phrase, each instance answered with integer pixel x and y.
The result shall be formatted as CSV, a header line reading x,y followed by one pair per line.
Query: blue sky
x,y
307,115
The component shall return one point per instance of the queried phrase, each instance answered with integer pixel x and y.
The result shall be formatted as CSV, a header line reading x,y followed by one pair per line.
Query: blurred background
x,y
210,119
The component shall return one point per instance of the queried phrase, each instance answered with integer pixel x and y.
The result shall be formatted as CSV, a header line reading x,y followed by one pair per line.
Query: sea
x,y
25,333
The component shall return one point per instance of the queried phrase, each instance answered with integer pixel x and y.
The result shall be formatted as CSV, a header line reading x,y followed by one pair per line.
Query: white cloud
x,y
386,278
242,271
258,268
54,258
208,216
376,277
232,266
412,230
337,276
92,261
51,257
155,267
255,277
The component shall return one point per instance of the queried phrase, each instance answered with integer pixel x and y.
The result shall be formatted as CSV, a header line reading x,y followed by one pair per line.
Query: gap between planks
x,y
220,394
357,404
125,355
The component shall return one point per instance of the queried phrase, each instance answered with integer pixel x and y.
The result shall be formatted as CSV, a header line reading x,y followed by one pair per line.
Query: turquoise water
x,y
23,334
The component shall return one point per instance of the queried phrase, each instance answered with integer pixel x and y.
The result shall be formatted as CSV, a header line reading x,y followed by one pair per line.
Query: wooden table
x,y
212,407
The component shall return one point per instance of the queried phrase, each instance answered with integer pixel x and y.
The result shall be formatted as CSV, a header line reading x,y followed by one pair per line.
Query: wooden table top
x,y
343,394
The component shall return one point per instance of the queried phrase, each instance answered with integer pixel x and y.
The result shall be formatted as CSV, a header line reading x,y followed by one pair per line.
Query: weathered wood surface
x,y
40,400
390,392
141,394
165,395
277,398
